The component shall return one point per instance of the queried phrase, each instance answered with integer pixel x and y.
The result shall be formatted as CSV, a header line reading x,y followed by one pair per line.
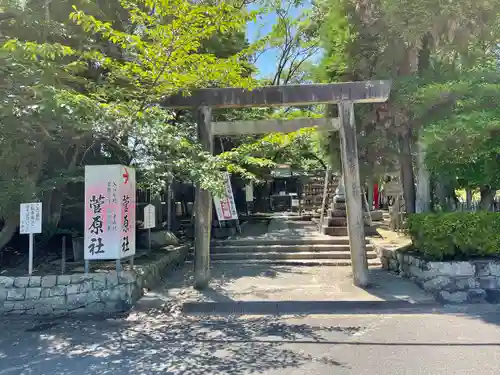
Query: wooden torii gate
x,y
344,94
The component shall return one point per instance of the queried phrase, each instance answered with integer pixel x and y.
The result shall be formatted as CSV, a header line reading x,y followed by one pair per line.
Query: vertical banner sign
x,y
225,206
109,212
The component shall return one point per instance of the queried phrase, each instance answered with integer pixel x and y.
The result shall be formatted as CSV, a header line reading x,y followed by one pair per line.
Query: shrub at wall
x,y
455,235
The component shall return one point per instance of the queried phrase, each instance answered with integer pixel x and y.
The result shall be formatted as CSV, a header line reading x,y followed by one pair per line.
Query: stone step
x,y
339,206
283,248
291,256
342,240
294,262
336,213
342,231
337,221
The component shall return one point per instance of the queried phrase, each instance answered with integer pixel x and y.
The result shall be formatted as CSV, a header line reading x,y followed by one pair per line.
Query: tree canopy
x,y
81,82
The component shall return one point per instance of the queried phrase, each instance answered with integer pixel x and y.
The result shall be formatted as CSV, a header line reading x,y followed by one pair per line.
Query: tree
x,y
294,38
463,145
409,42
92,88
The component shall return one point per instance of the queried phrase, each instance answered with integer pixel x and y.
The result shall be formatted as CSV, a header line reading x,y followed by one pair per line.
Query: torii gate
x,y
344,94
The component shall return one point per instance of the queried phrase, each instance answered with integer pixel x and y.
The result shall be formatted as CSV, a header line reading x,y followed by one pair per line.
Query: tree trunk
x,y
406,170
441,193
52,206
409,67
8,230
56,205
423,191
487,195
370,184
468,198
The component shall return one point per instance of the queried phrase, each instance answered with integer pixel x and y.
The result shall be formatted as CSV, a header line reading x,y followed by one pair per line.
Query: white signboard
x,y
109,212
392,188
225,206
249,193
149,216
30,218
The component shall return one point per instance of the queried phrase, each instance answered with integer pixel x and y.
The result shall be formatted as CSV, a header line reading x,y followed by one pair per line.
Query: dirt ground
x,y
387,237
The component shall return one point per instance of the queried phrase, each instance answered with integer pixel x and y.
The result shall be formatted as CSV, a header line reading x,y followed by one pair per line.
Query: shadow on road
x,y
165,344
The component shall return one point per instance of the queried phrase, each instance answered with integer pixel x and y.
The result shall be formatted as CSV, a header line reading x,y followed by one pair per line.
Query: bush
x,y
455,235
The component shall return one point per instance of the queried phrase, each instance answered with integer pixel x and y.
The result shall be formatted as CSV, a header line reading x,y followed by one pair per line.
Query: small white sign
x,y
295,202
393,189
149,216
225,206
30,218
249,193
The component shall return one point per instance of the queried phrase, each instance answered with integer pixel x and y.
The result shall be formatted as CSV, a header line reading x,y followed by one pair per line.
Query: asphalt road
x,y
164,341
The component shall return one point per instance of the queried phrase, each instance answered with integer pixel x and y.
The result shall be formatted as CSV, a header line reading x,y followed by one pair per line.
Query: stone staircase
x,y
335,221
299,245
310,252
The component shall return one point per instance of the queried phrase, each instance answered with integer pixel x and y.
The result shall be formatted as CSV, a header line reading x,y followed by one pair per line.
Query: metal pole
x,y
30,262
63,258
325,194
203,208
355,219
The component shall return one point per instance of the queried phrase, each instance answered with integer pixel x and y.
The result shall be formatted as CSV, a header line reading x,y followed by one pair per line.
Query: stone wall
x,y
453,282
93,293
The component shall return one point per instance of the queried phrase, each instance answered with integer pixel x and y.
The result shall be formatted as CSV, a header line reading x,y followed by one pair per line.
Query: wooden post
x,y
354,206
203,208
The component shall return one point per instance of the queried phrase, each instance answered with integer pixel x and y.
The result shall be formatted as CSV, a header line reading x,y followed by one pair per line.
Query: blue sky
x,y
267,62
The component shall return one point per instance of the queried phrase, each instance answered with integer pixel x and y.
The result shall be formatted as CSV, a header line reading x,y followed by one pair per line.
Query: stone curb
x,y
456,282
95,293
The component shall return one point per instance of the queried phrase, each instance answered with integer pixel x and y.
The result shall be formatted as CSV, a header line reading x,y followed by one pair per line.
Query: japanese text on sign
x,y
225,206
126,223
109,212
149,216
30,218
